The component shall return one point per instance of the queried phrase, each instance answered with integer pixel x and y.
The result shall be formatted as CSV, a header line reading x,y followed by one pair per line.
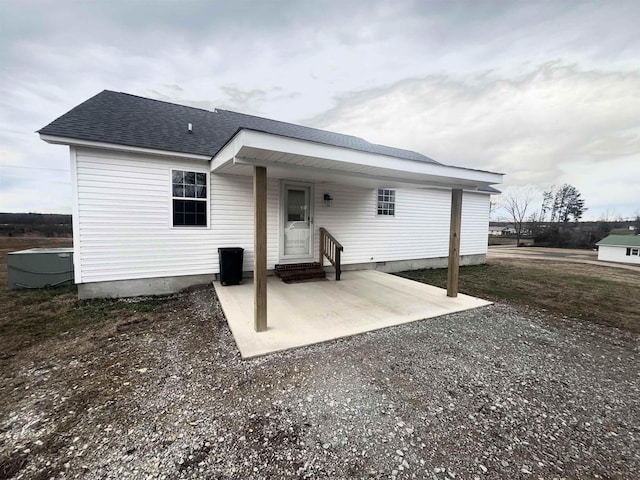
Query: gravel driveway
x,y
497,392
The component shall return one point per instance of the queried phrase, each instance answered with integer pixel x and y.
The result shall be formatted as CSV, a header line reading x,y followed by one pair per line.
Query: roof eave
x,y
341,156
76,142
616,245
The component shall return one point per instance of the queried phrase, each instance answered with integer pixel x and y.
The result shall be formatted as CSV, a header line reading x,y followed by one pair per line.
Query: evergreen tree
x,y
563,204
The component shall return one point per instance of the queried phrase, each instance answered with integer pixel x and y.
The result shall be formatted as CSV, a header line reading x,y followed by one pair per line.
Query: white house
x,y
620,248
501,229
495,229
159,187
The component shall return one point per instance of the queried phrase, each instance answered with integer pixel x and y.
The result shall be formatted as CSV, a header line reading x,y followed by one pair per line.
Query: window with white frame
x,y
189,198
633,251
386,202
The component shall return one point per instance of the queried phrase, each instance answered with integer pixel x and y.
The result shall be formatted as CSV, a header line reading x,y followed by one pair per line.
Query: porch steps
x,y
297,272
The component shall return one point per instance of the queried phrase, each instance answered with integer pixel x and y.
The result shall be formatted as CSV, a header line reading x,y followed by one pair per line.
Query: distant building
x,y
495,229
501,229
620,248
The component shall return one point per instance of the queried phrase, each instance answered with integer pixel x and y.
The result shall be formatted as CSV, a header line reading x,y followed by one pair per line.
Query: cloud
x,y
555,124
27,189
521,80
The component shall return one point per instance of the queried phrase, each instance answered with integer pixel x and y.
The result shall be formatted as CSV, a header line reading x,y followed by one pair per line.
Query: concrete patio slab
x,y
306,313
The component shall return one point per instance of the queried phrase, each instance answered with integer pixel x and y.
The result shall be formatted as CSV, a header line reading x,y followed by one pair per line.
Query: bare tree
x,y
535,222
516,203
606,216
493,205
547,205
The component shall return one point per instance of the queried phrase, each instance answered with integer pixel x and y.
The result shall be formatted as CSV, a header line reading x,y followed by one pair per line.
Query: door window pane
x,y
296,206
297,231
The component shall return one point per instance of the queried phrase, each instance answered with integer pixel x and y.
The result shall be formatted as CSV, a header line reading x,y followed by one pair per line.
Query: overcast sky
x,y
546,92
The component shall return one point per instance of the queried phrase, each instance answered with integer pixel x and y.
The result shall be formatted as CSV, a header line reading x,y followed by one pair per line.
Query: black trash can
x,y
230,265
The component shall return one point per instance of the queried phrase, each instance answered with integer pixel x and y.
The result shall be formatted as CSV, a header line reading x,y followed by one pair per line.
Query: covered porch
x,y
312,312
268,156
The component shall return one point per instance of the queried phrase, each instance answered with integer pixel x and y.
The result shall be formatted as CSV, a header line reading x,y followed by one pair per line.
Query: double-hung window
x,y
386,202
189,198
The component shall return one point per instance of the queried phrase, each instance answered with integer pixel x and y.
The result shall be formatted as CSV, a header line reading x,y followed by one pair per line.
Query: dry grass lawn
x,y
156,388
599,294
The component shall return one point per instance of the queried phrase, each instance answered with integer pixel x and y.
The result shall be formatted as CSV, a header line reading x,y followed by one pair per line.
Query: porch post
x,y
260,248
454,243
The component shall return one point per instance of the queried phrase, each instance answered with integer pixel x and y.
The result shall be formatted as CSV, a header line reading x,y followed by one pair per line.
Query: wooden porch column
x,y
454,243
260,248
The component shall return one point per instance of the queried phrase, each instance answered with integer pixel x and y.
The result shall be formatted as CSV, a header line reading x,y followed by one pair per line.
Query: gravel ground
x,y
497,392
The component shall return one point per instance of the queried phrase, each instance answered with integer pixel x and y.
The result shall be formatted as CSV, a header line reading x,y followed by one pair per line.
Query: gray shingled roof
x,y
489,189
124,119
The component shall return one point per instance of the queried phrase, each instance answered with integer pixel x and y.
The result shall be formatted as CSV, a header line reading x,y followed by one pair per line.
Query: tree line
x,y
39,224
556,222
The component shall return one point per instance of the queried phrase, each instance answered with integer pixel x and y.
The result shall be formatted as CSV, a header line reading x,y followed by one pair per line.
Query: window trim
x,y
386,191
207,174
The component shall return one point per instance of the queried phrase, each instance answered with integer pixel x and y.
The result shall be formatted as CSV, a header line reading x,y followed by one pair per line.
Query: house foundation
x,y
167,285
141,286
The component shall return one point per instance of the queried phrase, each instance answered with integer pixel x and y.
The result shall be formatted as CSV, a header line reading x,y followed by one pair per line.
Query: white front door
x,y
297,222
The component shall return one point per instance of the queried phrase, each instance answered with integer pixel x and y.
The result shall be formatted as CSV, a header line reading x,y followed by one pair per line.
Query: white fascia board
x,y
228,152
618,246
342,174
121,148
466,188
276,143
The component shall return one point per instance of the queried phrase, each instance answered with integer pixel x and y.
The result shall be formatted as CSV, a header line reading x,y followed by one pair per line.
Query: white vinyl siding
x,y
474,235
609,253
125,219
232,217
123,225
419,229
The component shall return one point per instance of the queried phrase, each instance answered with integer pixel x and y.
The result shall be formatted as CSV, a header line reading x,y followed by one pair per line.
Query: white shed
x,y
620,248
